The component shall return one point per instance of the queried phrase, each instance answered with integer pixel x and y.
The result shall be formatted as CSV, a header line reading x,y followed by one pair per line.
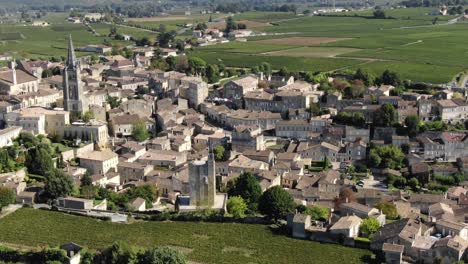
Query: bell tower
x,y
73,99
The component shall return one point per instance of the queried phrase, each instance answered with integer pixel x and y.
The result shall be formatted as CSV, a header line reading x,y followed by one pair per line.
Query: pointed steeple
x,y
71,59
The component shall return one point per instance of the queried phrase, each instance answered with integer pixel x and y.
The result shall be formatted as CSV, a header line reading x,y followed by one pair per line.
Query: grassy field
x,y
202,242
410,43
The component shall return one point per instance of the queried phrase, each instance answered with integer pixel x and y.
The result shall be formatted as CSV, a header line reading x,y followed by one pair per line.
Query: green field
x,y
202,242
23,40
410,44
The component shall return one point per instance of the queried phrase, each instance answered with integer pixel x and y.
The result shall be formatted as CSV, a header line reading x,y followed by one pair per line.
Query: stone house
x,y
247,138
73,253
16,81
99,162
393,253
243,164
300,223
300,129
133,171
122,125
163,158
138,204
450,249
361,211
423,201
402,232
451,228
453,110
347,226
236,89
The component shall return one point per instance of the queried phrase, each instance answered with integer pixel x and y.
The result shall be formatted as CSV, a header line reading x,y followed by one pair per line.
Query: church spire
x,y
71,59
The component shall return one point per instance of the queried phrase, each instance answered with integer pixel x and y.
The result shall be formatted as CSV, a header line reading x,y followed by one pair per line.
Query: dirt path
x,y
9,210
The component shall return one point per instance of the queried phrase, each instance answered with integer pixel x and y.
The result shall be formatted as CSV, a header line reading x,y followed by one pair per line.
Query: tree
x,y
58,184
276,203
166,38
113,31
87,116
346,196
86,180
171,62
197,65
182,64
318,213
219,152
379,14
388,209
412,125
247,187
390,78
390,156
212,73
364,76
113,101
230,25
7,196
355,90
413,183
201,26
162,28
374,160
39,160
139,131
120,253
161,255
265,67
369,226
386,116
284,72
352,119
236,206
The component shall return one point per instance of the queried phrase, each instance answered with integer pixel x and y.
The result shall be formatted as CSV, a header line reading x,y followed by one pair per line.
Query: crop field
x,y
301,41
5,36
408,43
250,24
277,62
244,47
319,52
23,40
201,242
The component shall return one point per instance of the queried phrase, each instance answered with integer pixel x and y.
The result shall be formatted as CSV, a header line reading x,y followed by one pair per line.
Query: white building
x,y
8,134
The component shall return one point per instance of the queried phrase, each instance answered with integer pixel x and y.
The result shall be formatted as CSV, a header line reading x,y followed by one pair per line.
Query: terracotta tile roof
x,y
21,77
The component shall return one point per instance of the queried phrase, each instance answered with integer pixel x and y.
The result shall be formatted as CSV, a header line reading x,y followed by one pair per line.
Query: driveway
x,y
370,183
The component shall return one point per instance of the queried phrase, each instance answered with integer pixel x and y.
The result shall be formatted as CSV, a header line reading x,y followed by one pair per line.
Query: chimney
x,y
12,65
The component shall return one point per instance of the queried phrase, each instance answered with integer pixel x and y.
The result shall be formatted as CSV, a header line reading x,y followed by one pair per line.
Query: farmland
x,y
408,43
23,40
202,242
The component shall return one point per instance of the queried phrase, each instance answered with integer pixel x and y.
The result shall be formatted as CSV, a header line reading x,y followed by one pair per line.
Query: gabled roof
x,y
21,77
346,222
393,248
406,229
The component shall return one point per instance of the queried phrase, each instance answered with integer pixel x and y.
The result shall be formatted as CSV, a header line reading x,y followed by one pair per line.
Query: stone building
x,y
73,98
202,180
16,81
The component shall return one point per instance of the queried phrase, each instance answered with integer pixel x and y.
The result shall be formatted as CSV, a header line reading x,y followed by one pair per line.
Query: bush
x,y
236,206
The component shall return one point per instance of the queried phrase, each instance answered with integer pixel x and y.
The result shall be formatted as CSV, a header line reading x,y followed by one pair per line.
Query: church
x,y
73,96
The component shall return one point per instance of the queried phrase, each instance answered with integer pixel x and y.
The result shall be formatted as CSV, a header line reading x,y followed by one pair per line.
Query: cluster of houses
x,y
265,126
432,228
